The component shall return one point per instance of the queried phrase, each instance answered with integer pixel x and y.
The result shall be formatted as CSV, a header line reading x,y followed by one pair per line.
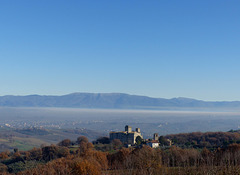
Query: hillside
x,y
110,101
27,138
79,156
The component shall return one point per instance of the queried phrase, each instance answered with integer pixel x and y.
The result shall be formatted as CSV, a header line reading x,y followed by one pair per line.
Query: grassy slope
x,y
10,138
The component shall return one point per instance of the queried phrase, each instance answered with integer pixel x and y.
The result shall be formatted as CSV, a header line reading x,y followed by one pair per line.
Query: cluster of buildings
x,y
130,137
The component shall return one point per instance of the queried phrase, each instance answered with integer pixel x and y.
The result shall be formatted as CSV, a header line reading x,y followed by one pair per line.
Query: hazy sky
x,y
158,48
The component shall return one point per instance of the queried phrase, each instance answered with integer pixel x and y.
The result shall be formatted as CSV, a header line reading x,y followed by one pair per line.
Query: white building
x,y
153,144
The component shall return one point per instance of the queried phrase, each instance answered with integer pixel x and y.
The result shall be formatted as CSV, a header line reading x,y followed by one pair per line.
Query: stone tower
x,y
138,130
128,128
155,136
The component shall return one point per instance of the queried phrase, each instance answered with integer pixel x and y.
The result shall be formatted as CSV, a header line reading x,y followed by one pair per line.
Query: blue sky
x,y
156,48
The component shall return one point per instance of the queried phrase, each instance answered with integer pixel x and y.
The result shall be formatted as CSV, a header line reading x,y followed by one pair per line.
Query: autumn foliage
x,y
83,158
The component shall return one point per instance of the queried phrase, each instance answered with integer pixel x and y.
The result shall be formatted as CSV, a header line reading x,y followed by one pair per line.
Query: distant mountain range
x,y
110,101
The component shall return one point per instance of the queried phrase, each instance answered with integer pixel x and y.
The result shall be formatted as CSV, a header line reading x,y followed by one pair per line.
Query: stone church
x,y
126,137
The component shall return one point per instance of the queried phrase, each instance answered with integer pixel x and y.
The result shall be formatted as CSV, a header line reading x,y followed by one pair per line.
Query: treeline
x,y
201,140
51,159
105,157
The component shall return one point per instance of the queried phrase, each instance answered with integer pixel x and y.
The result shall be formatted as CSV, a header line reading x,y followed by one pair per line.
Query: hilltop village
x,y
132,138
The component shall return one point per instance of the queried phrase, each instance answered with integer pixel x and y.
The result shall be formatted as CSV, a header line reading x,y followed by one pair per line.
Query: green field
x,y
25,139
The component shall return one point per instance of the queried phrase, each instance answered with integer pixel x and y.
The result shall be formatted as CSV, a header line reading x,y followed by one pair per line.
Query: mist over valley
x,y
106,120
